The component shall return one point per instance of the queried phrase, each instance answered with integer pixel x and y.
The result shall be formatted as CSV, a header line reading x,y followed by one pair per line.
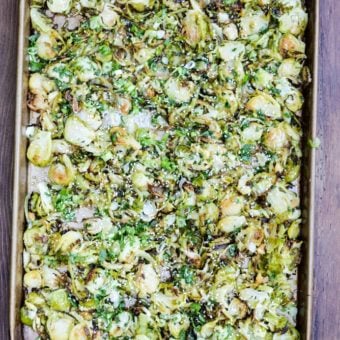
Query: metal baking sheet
x,y
21,178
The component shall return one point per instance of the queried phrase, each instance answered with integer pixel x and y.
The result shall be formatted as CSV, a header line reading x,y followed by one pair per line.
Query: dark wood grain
x,y
327,236
8,42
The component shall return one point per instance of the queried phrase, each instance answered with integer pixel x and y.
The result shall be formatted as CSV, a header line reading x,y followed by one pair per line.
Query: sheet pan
x,y
21,176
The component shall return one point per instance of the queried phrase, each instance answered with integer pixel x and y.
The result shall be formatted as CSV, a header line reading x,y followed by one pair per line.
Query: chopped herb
x,y
246,152
187,274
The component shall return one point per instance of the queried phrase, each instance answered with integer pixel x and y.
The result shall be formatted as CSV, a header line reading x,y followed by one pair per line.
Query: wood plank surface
x,y
8,50
327,237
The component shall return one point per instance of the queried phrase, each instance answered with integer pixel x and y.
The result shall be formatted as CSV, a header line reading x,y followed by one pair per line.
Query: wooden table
x,y
327,236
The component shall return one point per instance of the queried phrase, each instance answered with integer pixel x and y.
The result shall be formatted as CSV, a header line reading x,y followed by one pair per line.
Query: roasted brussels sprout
x,y
195,25
62,173
253,22
77,132
108,16
141,5
293,21
39,151
180,92
266,105
59,326
39,21
231,50
229,224
59,6
46,46
291,46
230,31
59,301
32,279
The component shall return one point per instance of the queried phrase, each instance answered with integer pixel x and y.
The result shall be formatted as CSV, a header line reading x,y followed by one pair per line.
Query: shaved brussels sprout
x,y
147,280
39,21
142,337
230,31
59,6
294,21
231,50
276,138
294,230
266,105
178,91
294,101
62,173
27,316
249,330
141,5
144,54
39,151
196,26
85,69
45,197
290,68
253,297
253,22
68,240
59,301
208,329
282,200
35,240
60,72
167,303
99,225
32,279
140,180
91,117
121,325
80,332
289,3
59,326
231,206
237,309
46,46
77,132
229,224
253,132
108,16
97,280
228,102
35,299
60,146
128,252
91,3
51,278
262,182
262,79
290,45
40,84
178,324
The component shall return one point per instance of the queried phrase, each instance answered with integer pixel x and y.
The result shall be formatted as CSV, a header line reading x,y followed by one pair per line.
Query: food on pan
x,y
168,134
